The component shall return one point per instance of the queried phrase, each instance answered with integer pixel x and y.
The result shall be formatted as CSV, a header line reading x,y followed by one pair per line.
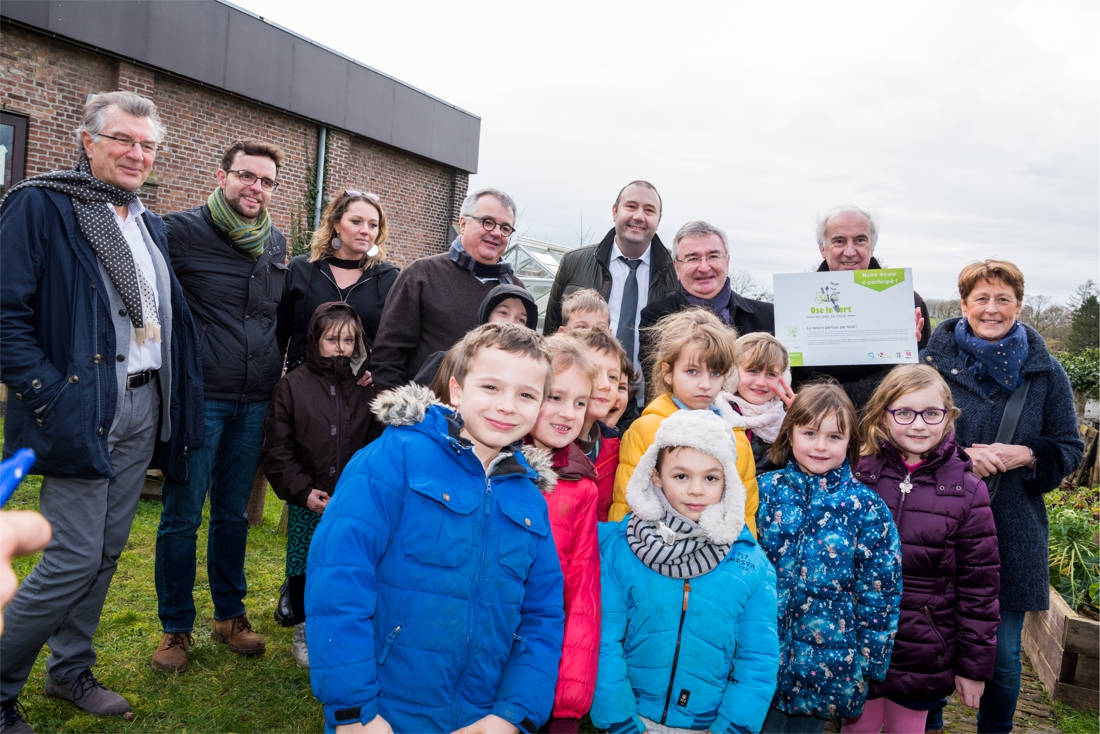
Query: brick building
x,y
217,73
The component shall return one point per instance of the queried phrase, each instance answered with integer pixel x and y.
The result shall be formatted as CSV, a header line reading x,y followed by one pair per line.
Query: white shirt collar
x,y
616,252
135,207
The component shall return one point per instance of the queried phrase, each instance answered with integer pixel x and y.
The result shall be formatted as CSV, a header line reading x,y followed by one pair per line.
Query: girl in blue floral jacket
x,y
838,561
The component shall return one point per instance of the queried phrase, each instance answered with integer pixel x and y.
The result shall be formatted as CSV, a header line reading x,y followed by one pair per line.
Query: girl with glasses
x,y
947,629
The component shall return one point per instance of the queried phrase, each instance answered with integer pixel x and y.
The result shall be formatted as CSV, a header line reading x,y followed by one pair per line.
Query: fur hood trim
x,y
542,461
404,406
703,431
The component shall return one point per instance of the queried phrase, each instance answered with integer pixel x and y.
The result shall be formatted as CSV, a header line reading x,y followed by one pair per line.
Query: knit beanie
x,y
703,431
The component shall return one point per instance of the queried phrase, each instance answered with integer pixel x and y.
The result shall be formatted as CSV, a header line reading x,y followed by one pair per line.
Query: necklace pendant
x,y
905,485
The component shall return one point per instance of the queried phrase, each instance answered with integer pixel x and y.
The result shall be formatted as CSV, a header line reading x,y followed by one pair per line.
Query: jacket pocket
x,y
519,645
519,537
927,610
385,651
440,530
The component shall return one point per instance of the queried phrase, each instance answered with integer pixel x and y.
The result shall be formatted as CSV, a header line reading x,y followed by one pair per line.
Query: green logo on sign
x,y
879,280
796,359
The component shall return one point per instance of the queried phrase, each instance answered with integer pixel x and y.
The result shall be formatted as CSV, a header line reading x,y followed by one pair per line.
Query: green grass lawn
x,y
221,691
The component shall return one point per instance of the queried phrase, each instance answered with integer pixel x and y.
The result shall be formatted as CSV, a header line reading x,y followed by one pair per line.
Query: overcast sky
x,y
970,129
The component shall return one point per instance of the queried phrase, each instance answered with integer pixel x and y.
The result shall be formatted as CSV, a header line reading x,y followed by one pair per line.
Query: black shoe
x,y
89,695
13,719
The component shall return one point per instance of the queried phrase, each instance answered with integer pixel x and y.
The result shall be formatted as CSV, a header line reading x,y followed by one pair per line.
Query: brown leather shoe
x,y
171,654
238,634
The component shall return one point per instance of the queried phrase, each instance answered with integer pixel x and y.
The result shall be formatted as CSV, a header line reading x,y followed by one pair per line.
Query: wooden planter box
x,y
1063,648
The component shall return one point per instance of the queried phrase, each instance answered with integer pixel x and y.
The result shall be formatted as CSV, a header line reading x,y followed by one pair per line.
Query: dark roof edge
x,y
334,52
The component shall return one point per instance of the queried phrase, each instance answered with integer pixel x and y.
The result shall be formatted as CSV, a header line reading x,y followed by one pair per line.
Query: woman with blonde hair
x,y
346,262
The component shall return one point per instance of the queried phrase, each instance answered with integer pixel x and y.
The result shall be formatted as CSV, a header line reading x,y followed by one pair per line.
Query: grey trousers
x,y
59,603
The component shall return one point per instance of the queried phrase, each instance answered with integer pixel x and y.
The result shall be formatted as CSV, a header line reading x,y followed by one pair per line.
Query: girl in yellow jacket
x,y
693,355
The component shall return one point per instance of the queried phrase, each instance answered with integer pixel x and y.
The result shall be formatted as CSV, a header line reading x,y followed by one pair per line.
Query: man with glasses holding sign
x,y
435,301
231,261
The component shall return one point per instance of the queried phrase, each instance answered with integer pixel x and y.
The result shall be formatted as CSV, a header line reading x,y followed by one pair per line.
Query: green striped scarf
x,y
248,237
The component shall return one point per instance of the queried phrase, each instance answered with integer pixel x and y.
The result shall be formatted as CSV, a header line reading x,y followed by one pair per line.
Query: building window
x,y
13,148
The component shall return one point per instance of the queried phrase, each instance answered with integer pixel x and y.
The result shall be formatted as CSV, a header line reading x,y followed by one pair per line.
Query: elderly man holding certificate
x,y
846,238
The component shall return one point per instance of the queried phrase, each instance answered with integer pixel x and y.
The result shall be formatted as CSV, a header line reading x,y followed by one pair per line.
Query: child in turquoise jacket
x,y
689,608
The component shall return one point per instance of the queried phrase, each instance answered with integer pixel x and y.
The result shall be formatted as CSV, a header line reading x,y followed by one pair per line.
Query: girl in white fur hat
x,y
688,640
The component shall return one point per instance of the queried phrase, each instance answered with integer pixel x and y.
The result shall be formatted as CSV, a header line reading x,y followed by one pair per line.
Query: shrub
x,y
1083,369
1074,552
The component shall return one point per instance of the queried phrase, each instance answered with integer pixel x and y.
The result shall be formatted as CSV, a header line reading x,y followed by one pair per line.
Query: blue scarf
x,y
719,305
998,362
501,271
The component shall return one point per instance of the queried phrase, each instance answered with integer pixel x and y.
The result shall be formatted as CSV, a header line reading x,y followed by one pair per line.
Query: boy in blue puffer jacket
x,y
689,625
433,587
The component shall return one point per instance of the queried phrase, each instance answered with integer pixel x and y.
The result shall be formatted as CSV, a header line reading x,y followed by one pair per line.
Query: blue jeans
x,y
998,704
226,465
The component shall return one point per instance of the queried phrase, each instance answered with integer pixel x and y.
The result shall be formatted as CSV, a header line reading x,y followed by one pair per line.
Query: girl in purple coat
x,y
947,632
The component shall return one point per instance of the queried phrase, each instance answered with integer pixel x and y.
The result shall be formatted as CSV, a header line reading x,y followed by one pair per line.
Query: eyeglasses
x,y
906,416
147,146
248,178
490,224
356,194
712,258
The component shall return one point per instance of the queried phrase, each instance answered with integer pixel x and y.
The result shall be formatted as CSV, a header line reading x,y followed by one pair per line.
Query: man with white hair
x,y
435,301
701,255
846,238
100,355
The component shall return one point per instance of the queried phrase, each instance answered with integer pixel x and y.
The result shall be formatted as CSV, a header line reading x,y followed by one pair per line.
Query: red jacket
x,y
572,507
607,461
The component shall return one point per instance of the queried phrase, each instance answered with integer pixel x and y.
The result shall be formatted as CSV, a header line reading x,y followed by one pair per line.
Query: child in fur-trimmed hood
x,y
689,604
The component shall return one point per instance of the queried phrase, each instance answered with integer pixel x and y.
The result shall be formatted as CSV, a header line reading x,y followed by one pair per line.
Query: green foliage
x,y
1074,552
1073,721
1085,329
301,215
1083,369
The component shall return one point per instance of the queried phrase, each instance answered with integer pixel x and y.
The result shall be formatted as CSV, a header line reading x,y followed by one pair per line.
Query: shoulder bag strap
x,y
1014,408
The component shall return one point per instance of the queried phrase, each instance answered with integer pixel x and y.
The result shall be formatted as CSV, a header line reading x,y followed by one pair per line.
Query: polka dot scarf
x,y
998,362
100,228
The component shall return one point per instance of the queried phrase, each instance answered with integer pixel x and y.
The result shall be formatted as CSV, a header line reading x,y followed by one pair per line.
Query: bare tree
x,y
1086,289
944,308
1050,319
745,283
583,235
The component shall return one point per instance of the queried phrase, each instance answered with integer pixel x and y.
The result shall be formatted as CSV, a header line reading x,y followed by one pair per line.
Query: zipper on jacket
x,y
676,655
904,490
928,615
353,286
488,504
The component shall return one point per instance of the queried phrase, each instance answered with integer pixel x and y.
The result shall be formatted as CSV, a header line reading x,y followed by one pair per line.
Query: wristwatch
x,y
1031,464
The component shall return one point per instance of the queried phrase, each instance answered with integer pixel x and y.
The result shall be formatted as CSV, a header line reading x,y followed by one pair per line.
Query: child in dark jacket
x,y
689,634
838,559
433,591
572,504
317,419
760,390
599,441
947,633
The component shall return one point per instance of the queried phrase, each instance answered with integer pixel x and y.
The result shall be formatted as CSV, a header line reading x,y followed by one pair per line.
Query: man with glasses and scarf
x,y
231,261
435,301
100,357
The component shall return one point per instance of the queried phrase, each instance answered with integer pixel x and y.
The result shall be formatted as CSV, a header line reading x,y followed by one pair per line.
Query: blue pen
x,y
12,472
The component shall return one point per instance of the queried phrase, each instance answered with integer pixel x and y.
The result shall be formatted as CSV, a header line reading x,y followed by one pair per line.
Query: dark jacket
x,y
309,284
233,299
432,305
746,315
950,572
760,448
589,267
859,380
838,561
317,419
61,358
1048,427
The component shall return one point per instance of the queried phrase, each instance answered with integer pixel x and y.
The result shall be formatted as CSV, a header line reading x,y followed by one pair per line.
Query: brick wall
x,y
48,80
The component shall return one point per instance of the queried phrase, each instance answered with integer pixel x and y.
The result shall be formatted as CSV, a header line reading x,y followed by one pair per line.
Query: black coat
x,y
746,315
859,380
309,284
233,299
60,353
1048,426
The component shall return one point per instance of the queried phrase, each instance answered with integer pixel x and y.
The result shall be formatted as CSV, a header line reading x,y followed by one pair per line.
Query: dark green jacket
x,y
587,267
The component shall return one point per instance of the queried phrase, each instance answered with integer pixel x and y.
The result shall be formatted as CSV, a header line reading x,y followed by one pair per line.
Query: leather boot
x,y
171,654
238,634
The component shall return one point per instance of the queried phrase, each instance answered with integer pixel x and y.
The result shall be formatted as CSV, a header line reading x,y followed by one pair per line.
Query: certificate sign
x,y
846,317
